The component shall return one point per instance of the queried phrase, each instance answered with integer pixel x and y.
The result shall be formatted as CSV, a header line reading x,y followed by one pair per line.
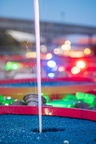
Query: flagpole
x,y
37,34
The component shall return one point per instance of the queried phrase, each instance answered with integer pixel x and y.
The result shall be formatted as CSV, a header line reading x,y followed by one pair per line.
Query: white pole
x,y
37,33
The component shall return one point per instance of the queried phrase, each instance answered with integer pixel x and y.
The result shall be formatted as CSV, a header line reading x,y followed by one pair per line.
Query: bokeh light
x,y
43,48
51,75
87,51
48,56
51,63
56,51
80,64
61,68
75,70
67,42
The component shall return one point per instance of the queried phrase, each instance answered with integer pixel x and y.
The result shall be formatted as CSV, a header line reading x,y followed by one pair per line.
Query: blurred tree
x,y
8,43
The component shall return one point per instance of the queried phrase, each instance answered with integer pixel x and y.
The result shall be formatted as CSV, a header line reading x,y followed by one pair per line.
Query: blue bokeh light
x,y
51,63
51,75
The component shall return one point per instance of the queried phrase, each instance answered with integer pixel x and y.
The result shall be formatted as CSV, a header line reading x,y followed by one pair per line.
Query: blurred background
x,y
67,39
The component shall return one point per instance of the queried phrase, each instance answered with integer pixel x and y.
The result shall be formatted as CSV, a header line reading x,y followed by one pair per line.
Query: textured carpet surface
x,y
23,129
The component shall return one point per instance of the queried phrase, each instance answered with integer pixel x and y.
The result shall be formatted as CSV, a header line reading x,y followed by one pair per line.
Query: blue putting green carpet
x,y
23,129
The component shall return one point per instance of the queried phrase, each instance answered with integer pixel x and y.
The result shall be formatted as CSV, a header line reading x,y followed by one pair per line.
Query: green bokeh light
x,y
12,66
